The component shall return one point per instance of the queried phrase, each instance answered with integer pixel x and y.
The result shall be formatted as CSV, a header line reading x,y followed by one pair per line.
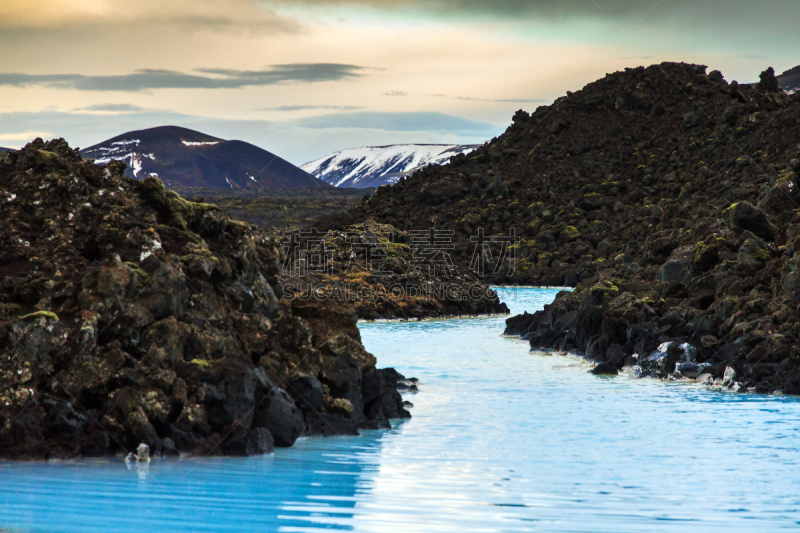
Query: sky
x,y
305,78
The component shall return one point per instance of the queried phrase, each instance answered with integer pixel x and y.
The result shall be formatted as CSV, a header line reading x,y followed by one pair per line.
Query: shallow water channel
x,y
501,439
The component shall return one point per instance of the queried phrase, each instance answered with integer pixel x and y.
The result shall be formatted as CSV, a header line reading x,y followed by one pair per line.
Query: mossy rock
x,y
753,254
591,201
570,233
144,277
40,314
706,253
743,216
604,291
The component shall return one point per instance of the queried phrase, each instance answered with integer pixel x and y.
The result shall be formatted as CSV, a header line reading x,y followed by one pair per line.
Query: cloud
x,y
309,107
112,108
147,79
24,136
395,93
562,8
412,121
304,72
224,14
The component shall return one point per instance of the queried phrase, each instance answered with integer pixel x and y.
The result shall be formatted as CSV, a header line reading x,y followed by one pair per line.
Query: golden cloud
x,y
74,13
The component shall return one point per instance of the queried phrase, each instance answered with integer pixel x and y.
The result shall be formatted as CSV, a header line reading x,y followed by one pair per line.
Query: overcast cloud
x,y
148,79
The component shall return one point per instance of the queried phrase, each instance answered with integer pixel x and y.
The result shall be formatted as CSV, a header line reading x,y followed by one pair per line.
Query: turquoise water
x,y
501,440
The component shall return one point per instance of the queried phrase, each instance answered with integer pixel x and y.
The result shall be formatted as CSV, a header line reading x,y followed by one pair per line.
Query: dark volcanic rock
x,y
605,369
742,216
128,316
768,82
397,285
670,194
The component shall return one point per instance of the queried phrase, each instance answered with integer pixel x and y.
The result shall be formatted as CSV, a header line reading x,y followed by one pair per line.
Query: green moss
x,y
605,290
571,233
201,363
762,255
706,253
144,277
396,248
37,314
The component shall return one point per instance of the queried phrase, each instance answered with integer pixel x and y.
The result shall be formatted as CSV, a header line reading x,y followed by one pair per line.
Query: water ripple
x,y
502,440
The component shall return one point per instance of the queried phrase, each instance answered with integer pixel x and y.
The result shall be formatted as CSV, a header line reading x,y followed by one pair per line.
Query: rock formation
x,y
666,196
379,270
129,315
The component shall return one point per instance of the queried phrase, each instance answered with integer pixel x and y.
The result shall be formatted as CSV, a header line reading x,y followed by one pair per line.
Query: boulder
x,y
276,411
753,255
306,391
743,216
392,402
729,378
689,370
672,271
246,442
605,369
616,355
663,361
779,199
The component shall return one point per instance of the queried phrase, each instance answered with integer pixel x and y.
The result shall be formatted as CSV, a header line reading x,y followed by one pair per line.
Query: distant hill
x,y
373,166
182,157
790,80
6,149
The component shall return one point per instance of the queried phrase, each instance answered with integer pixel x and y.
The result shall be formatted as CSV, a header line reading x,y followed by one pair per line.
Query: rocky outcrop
x,y
666,196
129,315
591,176
701,284
382,272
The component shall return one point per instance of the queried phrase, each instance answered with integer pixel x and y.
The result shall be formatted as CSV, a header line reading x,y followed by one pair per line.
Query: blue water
x,y
501,440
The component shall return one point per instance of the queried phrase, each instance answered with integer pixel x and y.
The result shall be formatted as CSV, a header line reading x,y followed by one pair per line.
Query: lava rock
x,y
743,216
605,369
161,319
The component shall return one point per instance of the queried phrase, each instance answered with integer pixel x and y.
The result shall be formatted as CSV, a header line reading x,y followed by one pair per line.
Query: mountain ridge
x,y
182,157
373,166
790,79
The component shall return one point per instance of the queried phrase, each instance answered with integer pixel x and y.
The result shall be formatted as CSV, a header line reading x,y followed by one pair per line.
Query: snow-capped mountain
x,y
182,157
373,166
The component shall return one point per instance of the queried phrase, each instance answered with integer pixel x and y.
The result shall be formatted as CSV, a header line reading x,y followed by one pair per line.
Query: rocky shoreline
x,y
667,196
708,287
130,316
686,369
